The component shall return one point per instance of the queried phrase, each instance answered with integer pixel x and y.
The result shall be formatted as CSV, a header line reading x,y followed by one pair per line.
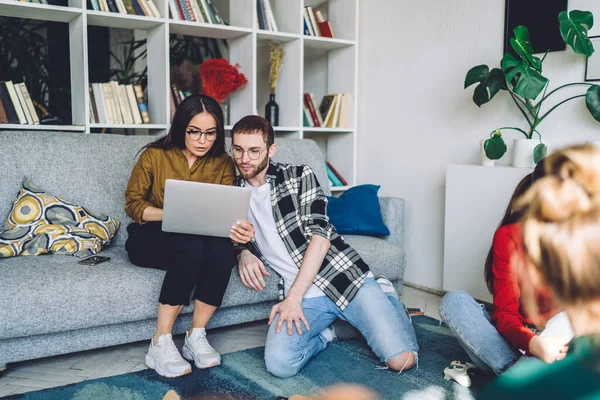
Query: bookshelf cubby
x,y
317,65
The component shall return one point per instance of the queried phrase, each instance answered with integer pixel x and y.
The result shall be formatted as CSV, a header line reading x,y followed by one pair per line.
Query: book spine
x,y
135,111
332,177
24,104
108,102
117,103
196,11
306,30
93,107
317,113
207,14
137,7
215,12
311,31
190,9
10,87
325,28
29,102
121,6
144,7
153,8
311,109
339,176
103,5
330,112
3,117
95,5
184,10
112,6
262,17
271,16
313,21
125,109
129,7
139,95
307,120
100,105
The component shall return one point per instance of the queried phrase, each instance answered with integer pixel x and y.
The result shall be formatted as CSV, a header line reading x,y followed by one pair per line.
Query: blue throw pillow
x,y
357,212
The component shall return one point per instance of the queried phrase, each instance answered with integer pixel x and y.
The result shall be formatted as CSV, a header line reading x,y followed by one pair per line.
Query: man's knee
x,y
280,364
403,361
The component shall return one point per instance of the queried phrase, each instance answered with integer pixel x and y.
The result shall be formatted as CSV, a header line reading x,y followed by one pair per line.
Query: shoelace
x,y
203,341
171,349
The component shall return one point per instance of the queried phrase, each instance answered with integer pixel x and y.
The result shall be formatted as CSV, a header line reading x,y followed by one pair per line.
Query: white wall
x,y
415,118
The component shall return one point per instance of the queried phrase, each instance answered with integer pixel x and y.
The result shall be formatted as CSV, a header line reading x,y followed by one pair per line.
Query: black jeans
x,y
204,262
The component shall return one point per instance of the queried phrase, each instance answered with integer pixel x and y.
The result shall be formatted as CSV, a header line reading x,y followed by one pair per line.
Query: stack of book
x,y
315,24
132,7
111,103
264,16
35,1
16,106
177,96
335,178
202,11
332,111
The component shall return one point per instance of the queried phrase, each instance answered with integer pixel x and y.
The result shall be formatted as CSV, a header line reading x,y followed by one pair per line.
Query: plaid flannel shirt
x,y
300,211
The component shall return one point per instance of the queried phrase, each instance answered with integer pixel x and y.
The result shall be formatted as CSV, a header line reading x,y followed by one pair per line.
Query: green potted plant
x,y
521,76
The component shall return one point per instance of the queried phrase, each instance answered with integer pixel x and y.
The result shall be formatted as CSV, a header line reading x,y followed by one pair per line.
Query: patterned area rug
x,y
242,375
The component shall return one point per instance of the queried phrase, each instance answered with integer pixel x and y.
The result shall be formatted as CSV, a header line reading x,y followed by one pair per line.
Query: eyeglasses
x,y
253,154
196,134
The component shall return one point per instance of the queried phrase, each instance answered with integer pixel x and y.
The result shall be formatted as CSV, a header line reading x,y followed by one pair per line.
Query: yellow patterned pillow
x,y
40,223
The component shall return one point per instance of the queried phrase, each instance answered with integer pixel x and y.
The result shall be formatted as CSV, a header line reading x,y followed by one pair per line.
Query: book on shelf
x,y
17,105
331,113
337,174
265,16
126,7
202,11
314,115
114,103
315,23
333,178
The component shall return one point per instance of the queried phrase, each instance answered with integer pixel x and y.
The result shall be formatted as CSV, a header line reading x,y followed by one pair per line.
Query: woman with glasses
x,y
193,150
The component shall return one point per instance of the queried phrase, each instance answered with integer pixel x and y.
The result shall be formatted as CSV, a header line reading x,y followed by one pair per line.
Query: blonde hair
x,y
561,229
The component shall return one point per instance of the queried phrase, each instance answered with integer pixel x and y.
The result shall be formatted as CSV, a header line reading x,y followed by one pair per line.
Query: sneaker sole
x,y
153,365
187,354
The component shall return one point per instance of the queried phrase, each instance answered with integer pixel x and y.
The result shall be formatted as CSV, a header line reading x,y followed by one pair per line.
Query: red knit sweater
x,y
508,315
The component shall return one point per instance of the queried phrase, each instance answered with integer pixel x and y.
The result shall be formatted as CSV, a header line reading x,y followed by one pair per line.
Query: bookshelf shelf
x,y
312,64
340,188
18,9
276,37
323,43
122,21
27,127
207,30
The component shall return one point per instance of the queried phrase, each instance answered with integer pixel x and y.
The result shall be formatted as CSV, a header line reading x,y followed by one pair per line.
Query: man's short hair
x,y
255,124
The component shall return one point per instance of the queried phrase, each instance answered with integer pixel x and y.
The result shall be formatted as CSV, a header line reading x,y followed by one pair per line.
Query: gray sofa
x,y
51,305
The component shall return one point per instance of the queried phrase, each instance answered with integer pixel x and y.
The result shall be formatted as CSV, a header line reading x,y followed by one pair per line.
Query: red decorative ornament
x,y
220,79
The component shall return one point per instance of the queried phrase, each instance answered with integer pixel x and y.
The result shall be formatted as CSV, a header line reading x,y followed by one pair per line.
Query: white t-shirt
x,y
270,243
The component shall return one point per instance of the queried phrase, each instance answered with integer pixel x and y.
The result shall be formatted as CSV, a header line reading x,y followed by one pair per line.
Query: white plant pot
x,y
523,152
485,161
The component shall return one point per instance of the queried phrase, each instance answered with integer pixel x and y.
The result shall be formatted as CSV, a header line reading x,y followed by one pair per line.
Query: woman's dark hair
x,y
511,215
188,109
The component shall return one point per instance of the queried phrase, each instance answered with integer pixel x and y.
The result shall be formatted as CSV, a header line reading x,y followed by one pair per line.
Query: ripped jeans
x,y
379,318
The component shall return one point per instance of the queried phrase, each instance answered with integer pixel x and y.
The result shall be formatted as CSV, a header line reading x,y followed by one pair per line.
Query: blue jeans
x,y
379,318
472,326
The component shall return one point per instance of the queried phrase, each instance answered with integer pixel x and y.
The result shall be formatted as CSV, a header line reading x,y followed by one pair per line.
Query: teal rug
x,y
242,375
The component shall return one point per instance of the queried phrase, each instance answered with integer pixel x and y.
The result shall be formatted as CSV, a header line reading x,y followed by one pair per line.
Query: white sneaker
x,y
197,348
164,358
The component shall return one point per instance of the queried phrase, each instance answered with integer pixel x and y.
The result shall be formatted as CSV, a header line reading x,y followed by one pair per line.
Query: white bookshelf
x,y
312,64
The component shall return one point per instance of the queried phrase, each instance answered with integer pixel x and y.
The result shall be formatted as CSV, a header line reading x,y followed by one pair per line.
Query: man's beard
x,y
255,171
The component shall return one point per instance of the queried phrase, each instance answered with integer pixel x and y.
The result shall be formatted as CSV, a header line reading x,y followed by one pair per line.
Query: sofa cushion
x,y
41,223
53,293
381,256
357,212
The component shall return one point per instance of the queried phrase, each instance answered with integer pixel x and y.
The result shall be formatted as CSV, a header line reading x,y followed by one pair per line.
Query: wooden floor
x,y
62,370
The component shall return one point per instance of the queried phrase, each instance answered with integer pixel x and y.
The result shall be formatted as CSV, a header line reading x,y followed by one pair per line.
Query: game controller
x,y
459,372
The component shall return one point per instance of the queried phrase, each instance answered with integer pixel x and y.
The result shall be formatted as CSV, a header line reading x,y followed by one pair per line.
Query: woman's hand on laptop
x,y
242,232
252,270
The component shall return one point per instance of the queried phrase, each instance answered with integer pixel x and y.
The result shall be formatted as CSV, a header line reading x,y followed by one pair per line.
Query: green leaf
x,y
574,29
522,46
526,81
592,101
494,147
490,83
539,152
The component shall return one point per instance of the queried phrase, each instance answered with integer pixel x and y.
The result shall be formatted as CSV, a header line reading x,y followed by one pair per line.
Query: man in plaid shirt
x,y
322,277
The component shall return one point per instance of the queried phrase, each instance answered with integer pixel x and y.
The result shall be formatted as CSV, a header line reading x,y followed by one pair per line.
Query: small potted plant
x,y
521,76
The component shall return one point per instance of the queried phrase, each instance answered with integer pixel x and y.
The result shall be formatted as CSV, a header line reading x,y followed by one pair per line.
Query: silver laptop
x,y
203,208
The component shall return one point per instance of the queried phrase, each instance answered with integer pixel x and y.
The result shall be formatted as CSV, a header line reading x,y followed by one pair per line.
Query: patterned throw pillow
x,y
40,223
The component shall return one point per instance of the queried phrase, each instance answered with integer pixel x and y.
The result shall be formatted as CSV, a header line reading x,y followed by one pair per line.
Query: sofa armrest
x,y
392,211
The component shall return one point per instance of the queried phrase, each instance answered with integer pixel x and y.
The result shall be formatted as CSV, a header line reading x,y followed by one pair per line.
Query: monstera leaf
x,y
574,30
592,101
495,147
526,81
522,46
539,152
490,82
